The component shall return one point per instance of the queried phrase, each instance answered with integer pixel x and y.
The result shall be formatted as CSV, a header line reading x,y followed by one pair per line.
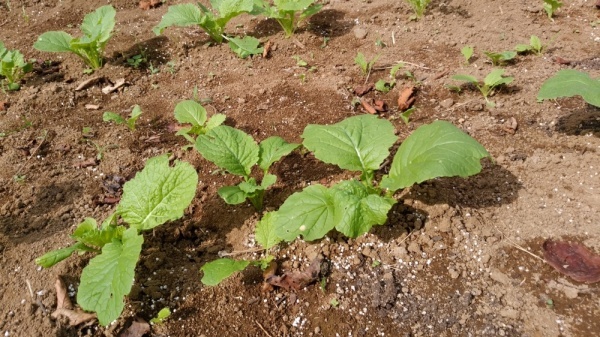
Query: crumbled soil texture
x,y
445,264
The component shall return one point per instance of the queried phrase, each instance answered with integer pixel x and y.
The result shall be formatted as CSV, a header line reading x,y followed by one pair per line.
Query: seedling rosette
x,y
13,67
491,83
288,13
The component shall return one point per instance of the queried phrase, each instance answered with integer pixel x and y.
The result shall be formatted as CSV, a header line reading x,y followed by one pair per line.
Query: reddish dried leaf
x,y
299,279
62,297
138,328
379,105
3,105
573,259
362,90
86,163
267,274
561,60
370,109
147,4
267,49
406,98
75,317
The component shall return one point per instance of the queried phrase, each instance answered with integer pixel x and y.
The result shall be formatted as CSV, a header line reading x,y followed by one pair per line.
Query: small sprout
x,y
299,61
13,67
109,116
376,263
325,41
535,46
467,52
334,302
550,6
500,58
366,66
405,116
419,7
161,316
490,84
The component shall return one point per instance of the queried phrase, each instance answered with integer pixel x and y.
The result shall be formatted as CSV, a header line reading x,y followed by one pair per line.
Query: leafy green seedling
x,y
467,53
288,13
490,83
192,113
157,194
136,61
96,27
419,7
213,23
569,83
161,316
299,61
136,112
500,58
550,6
535,46
361,143
366,66
218,270
385,86
405,116
237,153
244,47
13,67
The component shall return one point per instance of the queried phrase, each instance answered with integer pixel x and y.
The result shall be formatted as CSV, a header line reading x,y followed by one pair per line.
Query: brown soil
x,y
444,265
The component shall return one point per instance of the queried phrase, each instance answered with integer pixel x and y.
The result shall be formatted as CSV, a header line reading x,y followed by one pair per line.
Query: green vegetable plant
x,y
365,65
569,83
550,6
534,46
419,7
500,58
244,47
194,115
96,28
361,144
237,153
13,67
136,112
385,86
213,21
288,13
162,316
157,194
467,53
491,83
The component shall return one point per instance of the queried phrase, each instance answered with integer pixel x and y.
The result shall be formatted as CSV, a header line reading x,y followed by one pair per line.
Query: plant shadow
x,y
581,121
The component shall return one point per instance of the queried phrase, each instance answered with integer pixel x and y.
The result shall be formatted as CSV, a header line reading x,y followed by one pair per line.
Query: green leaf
x,y
54,42
245,47
179,15
569,83
133,117
268,180
230,149
522,48
232,8
249,186
465,78
309,213
232,195
310,11
158,193
218,270
292,5
467,52
361,61
162,315
536,43
265,234
273,149
109,116
436,150
214,121
495,78
383,86
89,234
359,210
55,256
109,276
358,143
190,112
98,24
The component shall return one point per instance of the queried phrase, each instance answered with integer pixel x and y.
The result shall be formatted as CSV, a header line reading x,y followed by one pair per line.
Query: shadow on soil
x,y
580,122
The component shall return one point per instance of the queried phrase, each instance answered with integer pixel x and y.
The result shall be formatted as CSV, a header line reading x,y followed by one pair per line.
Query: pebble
x,y
447,103
499,276
360,33
453,273
414,247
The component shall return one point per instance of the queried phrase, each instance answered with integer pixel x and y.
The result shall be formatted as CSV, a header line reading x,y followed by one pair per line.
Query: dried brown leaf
x,y
267,49
75,317
573,259
267,274
406,98
92,106
147,4
298,279
379,105
3,105
561,60
110,88
89,82
62,296
362,90
86,163
370,109
138,328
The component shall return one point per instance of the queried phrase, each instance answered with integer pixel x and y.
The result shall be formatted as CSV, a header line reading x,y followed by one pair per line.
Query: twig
x,y
512,243
414,65
262,328
393,38
3,23
34,299
239,252
368,74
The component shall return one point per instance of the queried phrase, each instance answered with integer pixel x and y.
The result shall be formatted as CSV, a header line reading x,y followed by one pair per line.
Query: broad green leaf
x,y
179,15
89,234
265,231
158,193
268,180
521,48
230,149
292,5
569,83
272,149
109,276
54,42
232,195
249,186
230,8
495,78
214,121
245,47
436,150
190,112
309,213
535,43
508,55
383,86
310,11
358,210
55,256
467,52
98,24
218,270
162,315
465,78
358,143
110,116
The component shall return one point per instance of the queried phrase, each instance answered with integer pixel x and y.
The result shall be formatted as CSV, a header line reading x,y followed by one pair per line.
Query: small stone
x,y
499,276
360,33
445,225
447,103
453,273
414,248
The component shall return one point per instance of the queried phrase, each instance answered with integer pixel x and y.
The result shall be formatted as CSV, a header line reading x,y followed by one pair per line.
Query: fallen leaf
x,y
110,88
3,105
147,4
362,90
92,106
62,296
86,163
573,259
406,98
75,317
268,273
561,60
298,279
137,328
267,49
153,139
370,109
379,105
89,82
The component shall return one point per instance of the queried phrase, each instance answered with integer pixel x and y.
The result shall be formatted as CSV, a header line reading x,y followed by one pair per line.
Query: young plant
x,y
385,86
237,153
500,58
213,23
467,53
244,47
136,112
569,83
419,7
157,194
96,27
361,143
162,316
13,67
550,6
366,66
218,270
194,115
288,13
490,83
535,46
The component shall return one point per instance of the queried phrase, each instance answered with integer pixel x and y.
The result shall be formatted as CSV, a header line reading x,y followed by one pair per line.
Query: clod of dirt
x,y
561,60
92,106
3,105
138,328
298,279
406,98
573,259
510,126
362,90
86,163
